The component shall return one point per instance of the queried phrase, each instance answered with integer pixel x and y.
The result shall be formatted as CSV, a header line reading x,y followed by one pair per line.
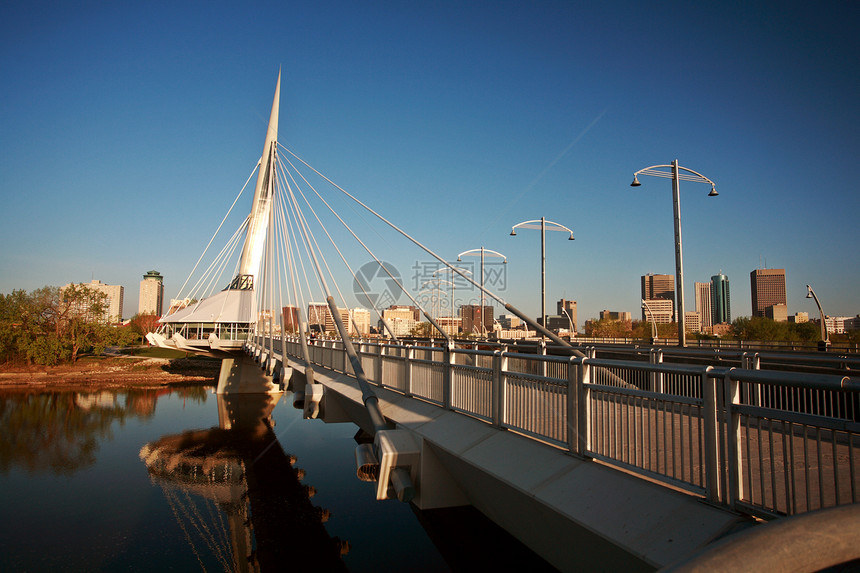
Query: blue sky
x,y
128,129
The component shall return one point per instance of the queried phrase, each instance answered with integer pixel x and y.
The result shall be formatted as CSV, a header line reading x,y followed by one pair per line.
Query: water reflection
x,y
248,508
59,432
233,497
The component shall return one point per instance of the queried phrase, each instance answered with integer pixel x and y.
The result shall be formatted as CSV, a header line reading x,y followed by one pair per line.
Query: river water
x,y
181,479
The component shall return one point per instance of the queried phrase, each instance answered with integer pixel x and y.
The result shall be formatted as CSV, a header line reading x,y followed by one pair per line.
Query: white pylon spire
x,y
258,223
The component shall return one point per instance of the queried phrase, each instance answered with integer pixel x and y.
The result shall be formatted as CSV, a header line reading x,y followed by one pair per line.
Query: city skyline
x,y
717,303
508,112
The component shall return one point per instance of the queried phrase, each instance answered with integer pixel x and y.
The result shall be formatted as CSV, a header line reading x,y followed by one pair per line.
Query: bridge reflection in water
x,y
241,468
240,500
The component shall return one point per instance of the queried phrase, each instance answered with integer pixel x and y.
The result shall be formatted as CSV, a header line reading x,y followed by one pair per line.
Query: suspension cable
x,y
370,252
254,170
331,240
219,261
399,230
352,272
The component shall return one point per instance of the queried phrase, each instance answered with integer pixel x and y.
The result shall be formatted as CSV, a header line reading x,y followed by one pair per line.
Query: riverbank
x,y
96,372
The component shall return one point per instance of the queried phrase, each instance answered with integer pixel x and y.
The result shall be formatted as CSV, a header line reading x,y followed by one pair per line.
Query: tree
x,y
80,319
422,330
767,330
608,328
50,324
11,310
47,350
25,322
143,324
121,336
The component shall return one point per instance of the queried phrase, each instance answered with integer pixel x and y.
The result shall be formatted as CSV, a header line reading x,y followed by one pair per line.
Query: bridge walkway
x,y
578,514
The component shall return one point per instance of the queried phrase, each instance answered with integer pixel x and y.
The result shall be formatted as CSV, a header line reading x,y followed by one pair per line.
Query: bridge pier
x,y
242,375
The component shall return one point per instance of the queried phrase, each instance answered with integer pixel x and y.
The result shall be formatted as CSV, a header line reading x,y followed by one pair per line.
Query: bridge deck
x,y
758,442
569,510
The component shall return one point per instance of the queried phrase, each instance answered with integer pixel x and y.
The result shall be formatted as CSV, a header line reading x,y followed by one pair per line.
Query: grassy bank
x,y
134,367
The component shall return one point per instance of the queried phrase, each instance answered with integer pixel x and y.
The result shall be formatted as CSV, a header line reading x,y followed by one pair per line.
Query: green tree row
x,y
762,328
50,325
608,328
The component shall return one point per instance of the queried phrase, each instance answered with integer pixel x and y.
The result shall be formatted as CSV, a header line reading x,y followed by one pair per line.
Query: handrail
x,y
794,379
765,442
817,540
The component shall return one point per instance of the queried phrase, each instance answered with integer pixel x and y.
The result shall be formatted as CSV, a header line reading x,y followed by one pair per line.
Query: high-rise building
x,y
510,321
567,309
151,299
621,315
266,323
799,318
361,320
721,308
113,301
401,311
450,326
558,323
401,319
320,317
777,312
290,318
317,313
472,316
703,305
658,287
839,324
662,311
767,287
692,321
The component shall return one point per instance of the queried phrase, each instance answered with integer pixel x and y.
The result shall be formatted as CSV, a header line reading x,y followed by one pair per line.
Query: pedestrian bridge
x,y
651,462
646,461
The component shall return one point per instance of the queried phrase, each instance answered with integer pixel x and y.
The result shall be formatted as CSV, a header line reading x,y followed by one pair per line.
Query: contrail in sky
x,y
540,175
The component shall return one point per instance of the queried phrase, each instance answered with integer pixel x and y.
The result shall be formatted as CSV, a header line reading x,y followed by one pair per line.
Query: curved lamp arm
x,y
811,294
653,321
696,176
452,270
485,252
547,226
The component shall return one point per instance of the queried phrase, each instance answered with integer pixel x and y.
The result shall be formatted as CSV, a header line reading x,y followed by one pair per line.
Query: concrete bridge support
x,y
241,374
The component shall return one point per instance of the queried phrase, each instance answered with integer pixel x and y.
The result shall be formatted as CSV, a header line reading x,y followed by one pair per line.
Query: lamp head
x,y
635,182
808,291
713,192
513,232
459,260
571,237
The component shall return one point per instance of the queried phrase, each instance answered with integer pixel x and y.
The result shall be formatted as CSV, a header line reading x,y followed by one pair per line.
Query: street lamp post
x,y
452,270
438,288
676,176
653,321
825,339
544,226
482,251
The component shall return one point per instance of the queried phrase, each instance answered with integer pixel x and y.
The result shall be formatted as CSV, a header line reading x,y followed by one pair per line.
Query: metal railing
x,y
767,443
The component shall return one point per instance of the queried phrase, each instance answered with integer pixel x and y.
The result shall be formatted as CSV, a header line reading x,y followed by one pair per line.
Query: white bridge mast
x,y
222,321
258,224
